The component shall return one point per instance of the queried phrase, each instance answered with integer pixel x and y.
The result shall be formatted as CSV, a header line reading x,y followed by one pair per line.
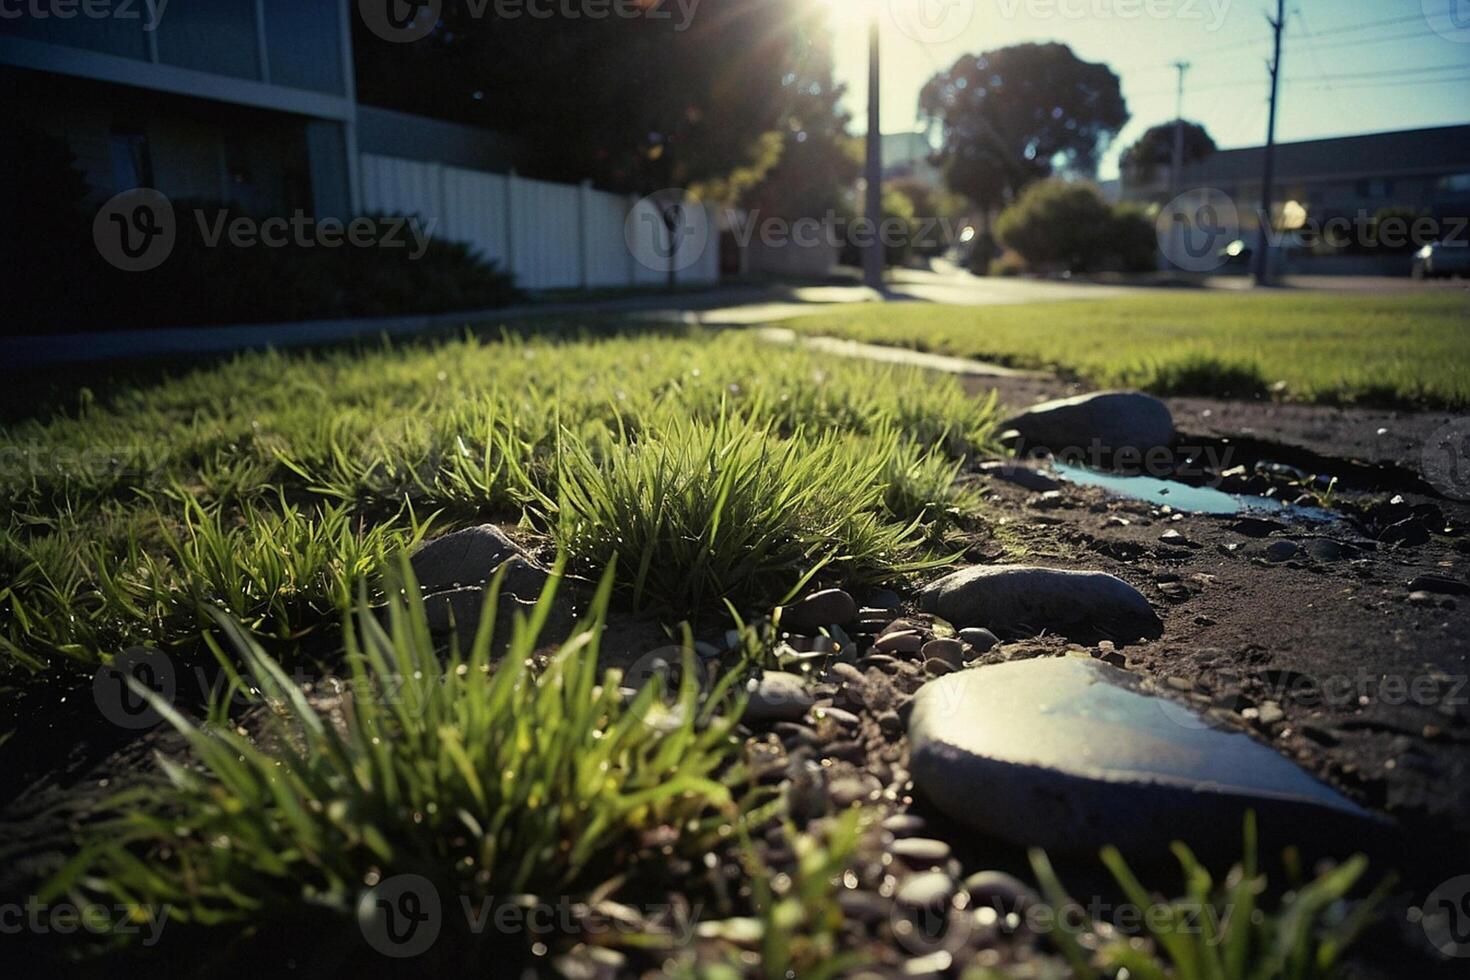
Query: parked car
x,y
1440,260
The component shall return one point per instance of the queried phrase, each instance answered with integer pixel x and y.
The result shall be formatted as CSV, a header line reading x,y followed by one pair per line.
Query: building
x,y
252,103
243,101
906,156
1424,171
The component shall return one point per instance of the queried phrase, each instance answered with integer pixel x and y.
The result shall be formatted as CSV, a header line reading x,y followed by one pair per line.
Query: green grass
x,y
1219,932
488,781
1402,349
274,485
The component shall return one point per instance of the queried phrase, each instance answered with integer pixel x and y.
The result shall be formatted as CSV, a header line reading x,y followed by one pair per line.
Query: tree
x,y
634,104
1020,114
1155,149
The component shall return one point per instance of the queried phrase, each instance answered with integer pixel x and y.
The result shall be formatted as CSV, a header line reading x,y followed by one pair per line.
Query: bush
x,y
203,283
1007,264
1056,225
1134,241
1059,225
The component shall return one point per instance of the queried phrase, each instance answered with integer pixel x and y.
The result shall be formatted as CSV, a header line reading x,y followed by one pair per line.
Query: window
x,y
132,163
1456,184
1375,187
219,37
303,44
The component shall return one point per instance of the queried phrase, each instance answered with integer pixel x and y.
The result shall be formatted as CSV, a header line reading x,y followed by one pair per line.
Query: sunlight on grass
x,y
1396,349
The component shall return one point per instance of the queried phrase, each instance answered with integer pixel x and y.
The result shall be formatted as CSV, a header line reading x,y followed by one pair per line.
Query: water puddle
x,y
1183,497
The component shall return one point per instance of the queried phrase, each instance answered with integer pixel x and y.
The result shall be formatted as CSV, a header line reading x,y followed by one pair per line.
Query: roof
x,y
1442,149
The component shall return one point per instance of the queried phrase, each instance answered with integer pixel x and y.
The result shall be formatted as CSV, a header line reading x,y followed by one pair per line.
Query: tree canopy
x,y
1155,149
1019,114
721,99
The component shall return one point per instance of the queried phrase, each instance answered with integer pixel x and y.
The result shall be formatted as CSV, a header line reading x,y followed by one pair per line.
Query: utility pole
x,y
873,208
1178,165
1263,241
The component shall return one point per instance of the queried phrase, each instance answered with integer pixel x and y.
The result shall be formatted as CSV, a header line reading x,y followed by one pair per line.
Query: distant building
x,y
1426,171
906,155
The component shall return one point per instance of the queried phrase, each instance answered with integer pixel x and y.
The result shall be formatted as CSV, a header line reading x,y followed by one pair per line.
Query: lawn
x,y
252,518
274,486
1403,349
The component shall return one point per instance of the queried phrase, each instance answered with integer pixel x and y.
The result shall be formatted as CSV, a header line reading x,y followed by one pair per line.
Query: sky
x,y
1409,68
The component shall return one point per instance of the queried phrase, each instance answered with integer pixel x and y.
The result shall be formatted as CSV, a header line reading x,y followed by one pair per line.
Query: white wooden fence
x,y
551,236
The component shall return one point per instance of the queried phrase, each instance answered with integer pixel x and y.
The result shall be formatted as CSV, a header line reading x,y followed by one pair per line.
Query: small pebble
x,y
905,824
904,641
981,639
928,889
920,852
950,651
1000,891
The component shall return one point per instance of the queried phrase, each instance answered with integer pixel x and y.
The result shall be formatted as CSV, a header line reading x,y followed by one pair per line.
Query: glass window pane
x,y
217,37
303,41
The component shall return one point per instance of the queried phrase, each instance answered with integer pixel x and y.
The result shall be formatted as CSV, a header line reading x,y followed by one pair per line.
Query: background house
x,y
252,103
1424,172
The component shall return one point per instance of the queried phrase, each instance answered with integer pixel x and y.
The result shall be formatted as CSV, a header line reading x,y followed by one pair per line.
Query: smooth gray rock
x,y
460,558
979,638
1022,476
777,696
1022,600
1069,754
1106,420
825,608
948,650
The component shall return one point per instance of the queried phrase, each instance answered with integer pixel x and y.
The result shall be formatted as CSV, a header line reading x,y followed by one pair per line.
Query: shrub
x,y
1066,226
200,283
1057,225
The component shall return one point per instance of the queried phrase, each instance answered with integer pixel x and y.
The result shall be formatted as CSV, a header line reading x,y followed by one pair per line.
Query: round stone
x,y
1070,754
979,638
951,651
777,696
826,608
925,890
921,852
903,641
